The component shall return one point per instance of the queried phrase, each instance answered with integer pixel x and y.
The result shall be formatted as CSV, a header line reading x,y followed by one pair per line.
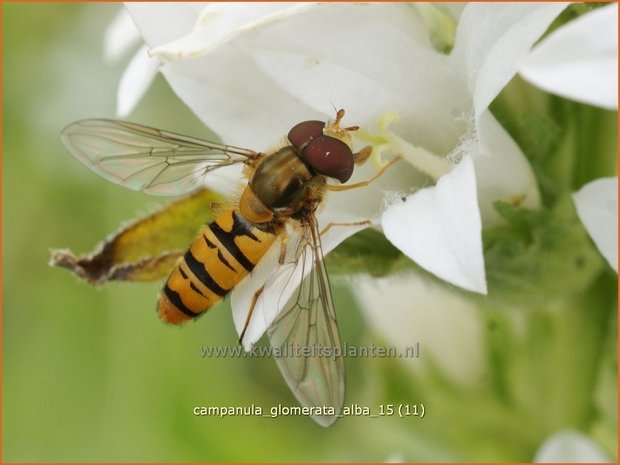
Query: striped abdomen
x,y
222,255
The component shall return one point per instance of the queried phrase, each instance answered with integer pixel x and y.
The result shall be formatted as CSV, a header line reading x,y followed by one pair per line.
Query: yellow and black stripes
x,y
228,240
199,270
222,255
174,298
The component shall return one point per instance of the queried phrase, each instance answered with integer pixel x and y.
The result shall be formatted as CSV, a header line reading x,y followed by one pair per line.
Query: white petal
x,y
502,171
409,309
219,23
455,9
281,286
234,98
243,295
120,36
275,283
162,22
580,60
328,57
135,81
490,40
597,208
440,229
570,446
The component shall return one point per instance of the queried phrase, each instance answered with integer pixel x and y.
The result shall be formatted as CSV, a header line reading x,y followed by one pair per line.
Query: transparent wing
x,y
308,323
146,159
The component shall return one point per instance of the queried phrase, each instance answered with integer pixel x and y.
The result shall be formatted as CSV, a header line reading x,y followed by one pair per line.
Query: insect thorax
x,y
283,183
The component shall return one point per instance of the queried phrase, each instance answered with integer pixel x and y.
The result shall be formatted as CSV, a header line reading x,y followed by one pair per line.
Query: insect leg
x,y
257,294
283,248
353,223
364,183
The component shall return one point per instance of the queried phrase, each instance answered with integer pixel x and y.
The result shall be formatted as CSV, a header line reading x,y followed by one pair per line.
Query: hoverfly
x,y
284,186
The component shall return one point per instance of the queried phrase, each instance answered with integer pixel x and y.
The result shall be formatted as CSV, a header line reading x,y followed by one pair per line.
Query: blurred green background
x,y
93,375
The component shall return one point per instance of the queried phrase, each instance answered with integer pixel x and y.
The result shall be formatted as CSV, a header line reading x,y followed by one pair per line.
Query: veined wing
x,y
147,159
308,323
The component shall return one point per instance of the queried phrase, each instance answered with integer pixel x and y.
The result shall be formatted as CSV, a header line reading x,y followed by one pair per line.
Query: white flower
x,y
597,208
120,37
122,34
251,70
410,309
569,446
579,61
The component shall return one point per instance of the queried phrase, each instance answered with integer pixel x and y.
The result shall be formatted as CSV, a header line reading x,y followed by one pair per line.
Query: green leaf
x,y
366,252
538,254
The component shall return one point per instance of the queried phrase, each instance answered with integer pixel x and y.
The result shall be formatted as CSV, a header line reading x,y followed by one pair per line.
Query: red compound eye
x,y
329,157
302,133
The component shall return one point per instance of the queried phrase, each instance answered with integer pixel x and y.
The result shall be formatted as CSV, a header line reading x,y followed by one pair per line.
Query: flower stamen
x,y
387,141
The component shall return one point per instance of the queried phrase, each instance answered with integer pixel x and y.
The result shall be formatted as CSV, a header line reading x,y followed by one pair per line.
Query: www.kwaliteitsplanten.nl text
x,y
317,350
